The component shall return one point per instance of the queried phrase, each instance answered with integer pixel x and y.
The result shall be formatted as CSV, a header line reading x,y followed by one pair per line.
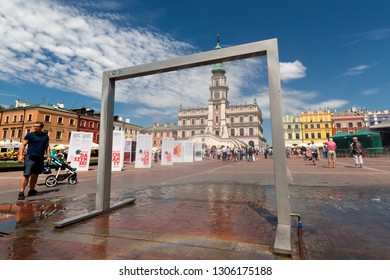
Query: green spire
x,y
218,67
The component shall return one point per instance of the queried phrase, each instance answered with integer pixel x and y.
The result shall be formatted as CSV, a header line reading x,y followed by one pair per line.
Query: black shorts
x,y
33,165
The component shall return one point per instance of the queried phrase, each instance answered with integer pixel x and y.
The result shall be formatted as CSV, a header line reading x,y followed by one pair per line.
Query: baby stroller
x,y
59,165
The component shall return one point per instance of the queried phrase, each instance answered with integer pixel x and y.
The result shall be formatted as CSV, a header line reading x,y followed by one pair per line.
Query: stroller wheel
x,y
51,181
72,179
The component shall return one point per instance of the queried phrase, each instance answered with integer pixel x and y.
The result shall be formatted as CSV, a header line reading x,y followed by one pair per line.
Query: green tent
x,y
368,138
341,140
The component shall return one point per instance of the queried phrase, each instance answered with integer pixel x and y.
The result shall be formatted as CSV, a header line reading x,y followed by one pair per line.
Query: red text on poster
x,y
116,158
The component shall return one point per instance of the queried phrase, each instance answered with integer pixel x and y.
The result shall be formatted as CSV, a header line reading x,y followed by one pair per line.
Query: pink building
x,y
348,121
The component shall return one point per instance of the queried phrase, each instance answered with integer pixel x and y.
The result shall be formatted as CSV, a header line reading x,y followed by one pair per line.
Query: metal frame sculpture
x,y
269,48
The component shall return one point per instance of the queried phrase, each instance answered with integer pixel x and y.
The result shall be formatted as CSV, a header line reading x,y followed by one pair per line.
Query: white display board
x,y
79,153
118,147
198,151
188,151
177,152
167,151
143,153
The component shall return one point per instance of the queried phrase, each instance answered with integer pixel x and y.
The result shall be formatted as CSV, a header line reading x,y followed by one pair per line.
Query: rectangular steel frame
x,y
269,48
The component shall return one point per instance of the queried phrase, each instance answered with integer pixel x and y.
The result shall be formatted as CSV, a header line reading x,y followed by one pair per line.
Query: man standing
x,y
357,149
314,152
38,144
331,152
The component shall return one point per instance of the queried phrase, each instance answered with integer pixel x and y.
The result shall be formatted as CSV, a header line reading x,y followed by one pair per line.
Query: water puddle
x,y
23,213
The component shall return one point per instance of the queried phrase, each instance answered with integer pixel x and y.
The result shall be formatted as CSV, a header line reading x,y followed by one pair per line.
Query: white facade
x,y
221,124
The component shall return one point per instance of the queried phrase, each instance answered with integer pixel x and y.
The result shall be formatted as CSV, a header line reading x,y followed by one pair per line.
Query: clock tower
x,y
218,102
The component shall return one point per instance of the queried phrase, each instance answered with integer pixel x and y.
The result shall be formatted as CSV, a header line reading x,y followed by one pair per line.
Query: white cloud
x,y
296,101
292,70
357,70
370,91
64,48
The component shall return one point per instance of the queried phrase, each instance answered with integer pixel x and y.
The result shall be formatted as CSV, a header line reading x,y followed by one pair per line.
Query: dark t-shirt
x,y
36,143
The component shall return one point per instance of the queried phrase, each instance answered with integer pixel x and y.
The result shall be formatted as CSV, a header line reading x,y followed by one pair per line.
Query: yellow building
x,y
316,126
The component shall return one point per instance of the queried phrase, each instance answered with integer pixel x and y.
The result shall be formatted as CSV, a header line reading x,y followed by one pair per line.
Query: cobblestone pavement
x,y
204,210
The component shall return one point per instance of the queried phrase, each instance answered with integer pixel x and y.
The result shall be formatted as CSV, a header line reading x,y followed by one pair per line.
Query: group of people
x,y
37,143
356,147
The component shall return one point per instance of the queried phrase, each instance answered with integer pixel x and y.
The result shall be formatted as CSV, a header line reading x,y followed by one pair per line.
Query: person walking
x,y
331,154
357,149
37,143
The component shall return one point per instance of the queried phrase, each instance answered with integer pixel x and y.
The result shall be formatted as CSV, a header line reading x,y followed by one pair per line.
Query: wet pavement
x,y
204,210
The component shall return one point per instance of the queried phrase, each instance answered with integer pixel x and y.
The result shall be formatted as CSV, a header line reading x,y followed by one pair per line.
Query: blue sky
x,y
332,53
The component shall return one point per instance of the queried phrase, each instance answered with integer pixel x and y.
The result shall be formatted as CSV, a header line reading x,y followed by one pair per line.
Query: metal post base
x,y
90,214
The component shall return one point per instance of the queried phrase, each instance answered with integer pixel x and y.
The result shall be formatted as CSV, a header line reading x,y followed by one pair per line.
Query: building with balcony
x,y
348,121
292,129
219,123
316,126
159,131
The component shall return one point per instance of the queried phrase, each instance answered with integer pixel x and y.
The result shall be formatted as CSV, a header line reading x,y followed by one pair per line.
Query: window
x,y
241,132
19,133
326,125
338,125
21,117
297,136
184,122
359,124
97,137
306,135
216,119
47,118
82,123
58,135
183,134
289,136
312,126
289,126
319,135
29,118
201,121
91,124
192,121
306,126
71,122
60,120
12,133
297,126
69,134
15,117
250,118
327,135
350,125
6,120
216,107
241,119
232,132
28,130
251,131
231,119
5,133
318,125
313,135
192,132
